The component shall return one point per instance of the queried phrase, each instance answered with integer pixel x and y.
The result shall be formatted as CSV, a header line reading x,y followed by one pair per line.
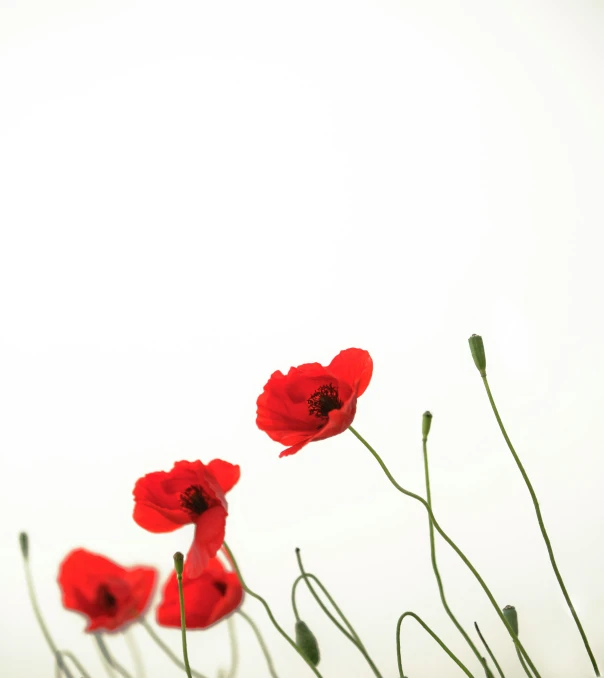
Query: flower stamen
x,y
106,600
323,401
194,500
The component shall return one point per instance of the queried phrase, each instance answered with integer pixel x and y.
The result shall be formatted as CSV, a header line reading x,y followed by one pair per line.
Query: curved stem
x,y
41,623
488,649
441,589
307,575
429,630
263,647
269,612
541,527
160,643
355,638
113,663
453,545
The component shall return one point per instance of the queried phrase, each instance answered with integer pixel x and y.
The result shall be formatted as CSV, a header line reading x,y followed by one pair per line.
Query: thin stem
x,y
160,643
429,630
183,625
452,544
523,664
307,575
355,639
269,612
41,623
441,589
541,527
488,649
137,660
111,660
263,646
234,647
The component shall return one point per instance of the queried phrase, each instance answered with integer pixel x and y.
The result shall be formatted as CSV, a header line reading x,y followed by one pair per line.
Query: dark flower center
x,y
194,500
221,587
106,600
324,400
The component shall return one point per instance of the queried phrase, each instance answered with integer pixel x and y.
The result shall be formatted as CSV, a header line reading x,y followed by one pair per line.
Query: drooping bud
x,y
426,423
307,643
24,544
477,348
179,560
511,616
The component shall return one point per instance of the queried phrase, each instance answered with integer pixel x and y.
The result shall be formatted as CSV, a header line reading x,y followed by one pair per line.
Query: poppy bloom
x,y
208,598
191,492
312,402
110,596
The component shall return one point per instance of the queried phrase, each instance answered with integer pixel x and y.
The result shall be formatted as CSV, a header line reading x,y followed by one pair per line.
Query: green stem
x,y
137,660
111,660
541,527
429,630
452,544
488,649
183,625
355,639
160,643
269,611
41,623
263,647
234,648
523,664
76,662
441,589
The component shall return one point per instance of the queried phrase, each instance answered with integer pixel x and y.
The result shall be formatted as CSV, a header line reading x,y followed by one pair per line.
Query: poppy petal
x,y
226,474
353,366
209,537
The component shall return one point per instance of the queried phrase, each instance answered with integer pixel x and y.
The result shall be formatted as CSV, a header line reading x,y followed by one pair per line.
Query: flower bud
x,y
179,560
477,348
24,544
511,616
426,423
307,643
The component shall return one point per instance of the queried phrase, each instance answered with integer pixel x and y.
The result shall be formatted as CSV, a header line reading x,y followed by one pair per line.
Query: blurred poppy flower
x,y
208,598
312,402
110,596
191,492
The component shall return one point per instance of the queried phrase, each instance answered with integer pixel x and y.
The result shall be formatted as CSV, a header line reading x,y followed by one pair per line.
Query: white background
x,y
196,194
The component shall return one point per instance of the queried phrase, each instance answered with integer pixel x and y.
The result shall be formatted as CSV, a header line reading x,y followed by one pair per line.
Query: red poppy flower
x,y
208,598
191,492
110,596
312,402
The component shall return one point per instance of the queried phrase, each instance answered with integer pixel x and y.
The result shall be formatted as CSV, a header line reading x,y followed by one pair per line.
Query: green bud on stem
x,y
179,560
24,544
477,349
307,643
426,423
511,616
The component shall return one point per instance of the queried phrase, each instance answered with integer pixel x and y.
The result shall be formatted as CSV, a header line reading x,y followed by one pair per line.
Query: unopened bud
x,y
307,643
511,616
477,348
24,544
179,560
426,423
